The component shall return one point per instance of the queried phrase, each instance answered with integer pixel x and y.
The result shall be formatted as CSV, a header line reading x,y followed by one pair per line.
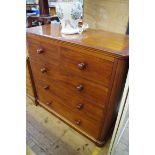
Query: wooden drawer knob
x,y
40,50
80,87
43,70
48,103
81,65
46,87
78,122
79,106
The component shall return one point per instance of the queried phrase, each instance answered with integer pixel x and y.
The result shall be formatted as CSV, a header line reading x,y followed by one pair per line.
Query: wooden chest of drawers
x,y
79,78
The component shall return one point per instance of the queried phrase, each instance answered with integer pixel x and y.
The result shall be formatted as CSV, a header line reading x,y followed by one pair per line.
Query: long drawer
x,y
86,66
78,104
72,86
89,126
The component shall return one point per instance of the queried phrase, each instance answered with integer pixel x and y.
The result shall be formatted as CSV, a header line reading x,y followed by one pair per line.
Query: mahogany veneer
x,y
80,78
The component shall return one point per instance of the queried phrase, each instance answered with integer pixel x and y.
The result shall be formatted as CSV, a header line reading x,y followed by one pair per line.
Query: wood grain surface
x,y
98,40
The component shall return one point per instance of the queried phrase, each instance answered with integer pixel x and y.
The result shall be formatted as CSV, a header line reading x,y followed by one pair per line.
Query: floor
x,y
47,135
122,146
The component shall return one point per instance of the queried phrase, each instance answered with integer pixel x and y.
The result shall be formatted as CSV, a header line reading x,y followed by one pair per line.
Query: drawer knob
x,y
46,87
80,87
81,65
79,106
39,51
49,103
43,70
78,122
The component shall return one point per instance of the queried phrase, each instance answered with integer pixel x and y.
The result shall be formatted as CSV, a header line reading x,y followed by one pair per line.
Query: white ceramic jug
x,y
69,13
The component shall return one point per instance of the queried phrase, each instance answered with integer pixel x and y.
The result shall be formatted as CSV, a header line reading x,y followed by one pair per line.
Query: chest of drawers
x,y
79,78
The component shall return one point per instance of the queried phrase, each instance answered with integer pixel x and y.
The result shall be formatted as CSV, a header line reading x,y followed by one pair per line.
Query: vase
x,y
69,13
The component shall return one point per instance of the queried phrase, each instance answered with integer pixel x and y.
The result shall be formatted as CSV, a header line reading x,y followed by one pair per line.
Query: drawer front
x,y
86,66
88,125
43,51
74,87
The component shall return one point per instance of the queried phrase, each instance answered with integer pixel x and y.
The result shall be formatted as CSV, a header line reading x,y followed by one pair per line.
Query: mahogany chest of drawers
x,y
79,78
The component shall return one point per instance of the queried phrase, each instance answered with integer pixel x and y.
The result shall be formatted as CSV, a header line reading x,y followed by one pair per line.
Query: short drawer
x,y
86,66
42,51
87,125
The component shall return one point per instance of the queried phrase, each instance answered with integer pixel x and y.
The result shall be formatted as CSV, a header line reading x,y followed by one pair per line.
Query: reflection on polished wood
x,y
98,39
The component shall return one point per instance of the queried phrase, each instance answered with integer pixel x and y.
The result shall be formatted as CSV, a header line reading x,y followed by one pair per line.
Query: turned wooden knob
x,y
39,51
81,65
43,70
80,87
46,87
78,122
48,103
79,106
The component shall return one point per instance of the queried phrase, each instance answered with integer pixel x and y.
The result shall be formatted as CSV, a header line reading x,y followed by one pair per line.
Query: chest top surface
x,y
102,40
